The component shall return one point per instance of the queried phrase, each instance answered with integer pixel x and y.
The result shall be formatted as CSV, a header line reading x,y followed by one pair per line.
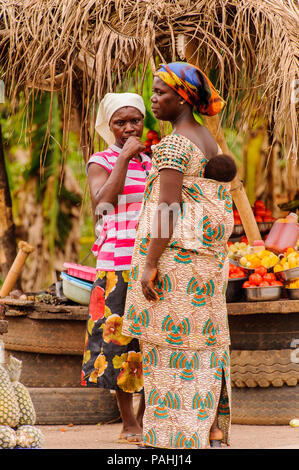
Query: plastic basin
x,y
76,289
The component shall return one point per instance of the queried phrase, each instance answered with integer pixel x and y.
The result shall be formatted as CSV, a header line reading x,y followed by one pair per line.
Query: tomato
x,y
229,243
234,275
240,272
264,284
267,219
151,134
268,213
148,143
247,284
260,213
259,204
269,277
276,283
155,141
258,219
237,221
255,279
244,240
261,270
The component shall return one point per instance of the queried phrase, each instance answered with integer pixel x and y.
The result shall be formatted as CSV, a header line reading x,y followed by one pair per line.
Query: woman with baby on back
x,y
176,302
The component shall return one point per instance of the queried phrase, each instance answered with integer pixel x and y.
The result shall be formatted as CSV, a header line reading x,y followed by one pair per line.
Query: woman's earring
x,y
182,102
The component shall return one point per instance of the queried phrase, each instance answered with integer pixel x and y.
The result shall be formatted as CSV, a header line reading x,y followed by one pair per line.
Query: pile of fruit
x,y
261,213
290,260
152,138
236,272
237,250
264,258
17,414
293,284
261,278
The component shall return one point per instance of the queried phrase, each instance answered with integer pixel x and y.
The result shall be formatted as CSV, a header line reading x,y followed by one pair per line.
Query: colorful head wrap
x,y
192,85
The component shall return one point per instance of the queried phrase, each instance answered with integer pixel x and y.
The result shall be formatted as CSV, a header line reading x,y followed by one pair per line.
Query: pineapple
x,y
27,411
9,407
8,437
29,437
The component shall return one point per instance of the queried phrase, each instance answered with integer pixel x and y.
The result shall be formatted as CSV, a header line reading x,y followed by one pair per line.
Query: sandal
x,y
215,442
130,438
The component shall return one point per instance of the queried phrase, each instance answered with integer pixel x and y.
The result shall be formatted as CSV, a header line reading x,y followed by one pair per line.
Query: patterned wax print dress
x,y
185,334
111,359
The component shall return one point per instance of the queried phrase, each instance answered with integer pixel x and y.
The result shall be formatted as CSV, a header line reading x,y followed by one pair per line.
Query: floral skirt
x,y
184,391
111,360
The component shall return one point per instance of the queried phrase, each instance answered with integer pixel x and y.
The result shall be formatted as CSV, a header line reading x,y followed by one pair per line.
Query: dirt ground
x,y
105,437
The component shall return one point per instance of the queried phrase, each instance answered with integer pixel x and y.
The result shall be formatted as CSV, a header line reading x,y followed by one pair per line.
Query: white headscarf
x,y
111,103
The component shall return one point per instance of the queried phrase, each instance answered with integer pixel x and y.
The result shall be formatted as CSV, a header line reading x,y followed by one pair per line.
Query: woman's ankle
x,y
216,433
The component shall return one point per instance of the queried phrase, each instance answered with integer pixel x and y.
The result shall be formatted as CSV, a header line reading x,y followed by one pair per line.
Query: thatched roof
x,y
87,47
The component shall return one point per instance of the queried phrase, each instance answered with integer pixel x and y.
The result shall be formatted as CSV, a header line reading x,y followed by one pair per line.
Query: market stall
x,y
263,291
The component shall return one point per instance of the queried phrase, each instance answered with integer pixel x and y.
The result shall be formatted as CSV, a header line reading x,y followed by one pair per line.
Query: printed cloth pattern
x,y
191,311
182,391
190,316
111,360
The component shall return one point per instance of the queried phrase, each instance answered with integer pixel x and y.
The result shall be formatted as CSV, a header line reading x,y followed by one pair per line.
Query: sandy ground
x,y
105,437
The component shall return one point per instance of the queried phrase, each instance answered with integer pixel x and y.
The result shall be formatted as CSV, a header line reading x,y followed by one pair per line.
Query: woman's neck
x,y
183,120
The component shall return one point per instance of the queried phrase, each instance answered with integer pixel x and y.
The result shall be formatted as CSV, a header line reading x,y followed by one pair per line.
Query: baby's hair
x,y
222,167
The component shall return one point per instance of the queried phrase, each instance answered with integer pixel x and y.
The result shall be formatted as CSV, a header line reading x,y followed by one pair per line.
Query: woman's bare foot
x,y
215,432
131,429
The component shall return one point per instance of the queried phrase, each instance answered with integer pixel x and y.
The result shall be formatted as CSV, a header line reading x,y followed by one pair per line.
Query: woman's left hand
x,y
149,275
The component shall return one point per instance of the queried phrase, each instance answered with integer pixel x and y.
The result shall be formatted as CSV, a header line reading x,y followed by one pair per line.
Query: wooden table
x,y
282,306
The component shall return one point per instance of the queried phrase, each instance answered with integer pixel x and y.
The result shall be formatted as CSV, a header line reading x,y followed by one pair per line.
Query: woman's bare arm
x,y
171,184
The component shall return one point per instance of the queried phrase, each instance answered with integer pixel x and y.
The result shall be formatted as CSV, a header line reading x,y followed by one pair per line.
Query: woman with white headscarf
x,y
116,179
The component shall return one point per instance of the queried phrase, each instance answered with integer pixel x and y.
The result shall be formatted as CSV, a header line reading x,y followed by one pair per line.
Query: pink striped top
x,y
116,235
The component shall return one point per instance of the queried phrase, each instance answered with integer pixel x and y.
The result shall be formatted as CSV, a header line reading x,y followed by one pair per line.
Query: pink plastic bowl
x,y
81,272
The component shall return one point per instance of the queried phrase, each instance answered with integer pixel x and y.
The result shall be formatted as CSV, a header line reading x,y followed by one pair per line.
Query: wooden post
x,y
24,250
237,190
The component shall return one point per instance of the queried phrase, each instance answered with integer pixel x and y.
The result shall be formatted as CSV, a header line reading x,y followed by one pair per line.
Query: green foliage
x,y
50,191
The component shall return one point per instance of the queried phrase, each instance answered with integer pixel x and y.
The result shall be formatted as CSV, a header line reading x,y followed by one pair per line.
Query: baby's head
x,y
221,168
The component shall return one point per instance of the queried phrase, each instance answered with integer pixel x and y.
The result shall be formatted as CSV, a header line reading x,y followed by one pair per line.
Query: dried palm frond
x,y
87,47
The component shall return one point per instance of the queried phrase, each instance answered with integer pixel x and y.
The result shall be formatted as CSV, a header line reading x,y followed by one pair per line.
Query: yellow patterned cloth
x,y
190,316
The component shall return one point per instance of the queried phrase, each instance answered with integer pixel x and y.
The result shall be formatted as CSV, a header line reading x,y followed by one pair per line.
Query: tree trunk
x,y
8,246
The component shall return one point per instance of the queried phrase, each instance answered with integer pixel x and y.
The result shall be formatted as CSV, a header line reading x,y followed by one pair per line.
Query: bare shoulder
x,y
206,142
203,139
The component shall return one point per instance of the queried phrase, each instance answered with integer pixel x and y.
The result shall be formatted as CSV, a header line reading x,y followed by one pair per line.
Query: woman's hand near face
x,y
149,275
132,147
104,187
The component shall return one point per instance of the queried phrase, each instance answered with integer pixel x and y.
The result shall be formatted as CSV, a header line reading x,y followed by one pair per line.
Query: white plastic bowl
x,y
75,289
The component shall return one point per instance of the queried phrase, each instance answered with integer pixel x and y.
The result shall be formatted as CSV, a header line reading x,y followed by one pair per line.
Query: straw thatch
x,y
87,47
